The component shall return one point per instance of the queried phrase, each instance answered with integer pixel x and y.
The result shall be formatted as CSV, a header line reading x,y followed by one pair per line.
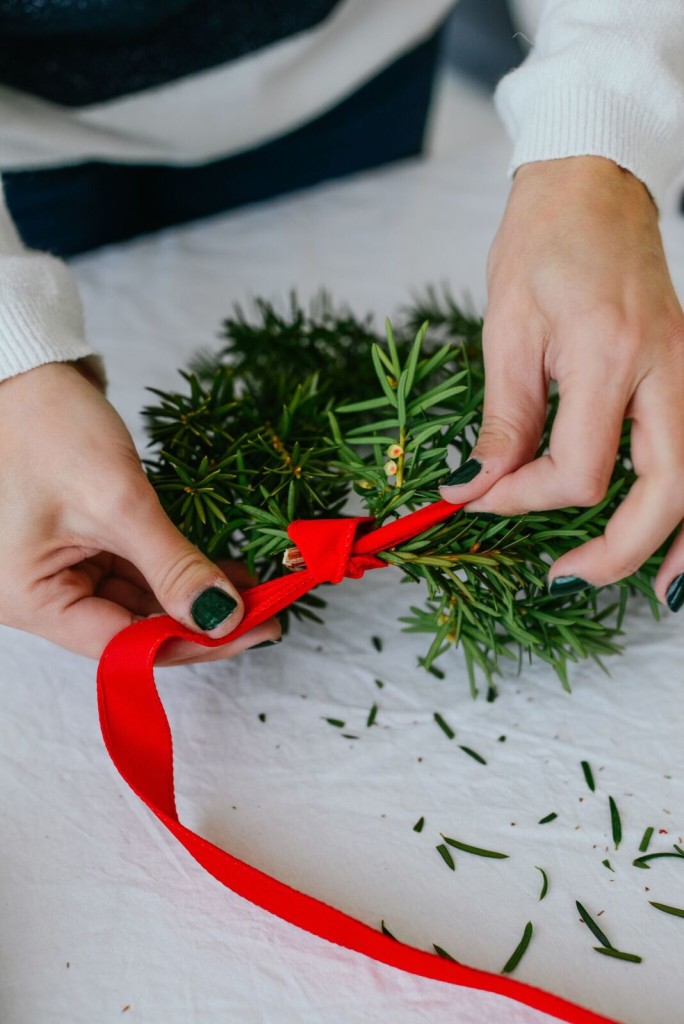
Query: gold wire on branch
x,y
299,410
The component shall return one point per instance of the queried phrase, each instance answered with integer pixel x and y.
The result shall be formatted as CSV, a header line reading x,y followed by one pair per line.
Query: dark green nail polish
x,y
567,585
464,474
212,607
265,643
675,593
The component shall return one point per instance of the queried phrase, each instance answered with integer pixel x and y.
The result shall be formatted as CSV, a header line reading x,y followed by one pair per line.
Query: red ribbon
x,y
138,737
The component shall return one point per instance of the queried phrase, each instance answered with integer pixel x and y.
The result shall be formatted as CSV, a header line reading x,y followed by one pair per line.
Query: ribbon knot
x,y
327,548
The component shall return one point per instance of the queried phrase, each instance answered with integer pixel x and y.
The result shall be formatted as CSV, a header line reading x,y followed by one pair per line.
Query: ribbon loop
x,y
326,547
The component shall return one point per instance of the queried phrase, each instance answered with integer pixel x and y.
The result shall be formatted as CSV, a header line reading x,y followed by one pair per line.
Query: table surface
x,y
104,914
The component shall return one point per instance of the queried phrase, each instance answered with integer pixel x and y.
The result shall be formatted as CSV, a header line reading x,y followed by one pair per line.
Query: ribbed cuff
x,y
41,319
563,122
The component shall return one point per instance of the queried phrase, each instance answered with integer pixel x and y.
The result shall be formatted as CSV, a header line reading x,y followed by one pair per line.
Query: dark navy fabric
x,y
73,209
64,17
79,52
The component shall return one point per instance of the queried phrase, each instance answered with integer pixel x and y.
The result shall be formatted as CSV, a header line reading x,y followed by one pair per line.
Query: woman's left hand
x,y
580,293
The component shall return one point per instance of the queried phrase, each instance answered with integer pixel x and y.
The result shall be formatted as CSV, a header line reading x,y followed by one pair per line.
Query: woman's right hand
x,y
85,546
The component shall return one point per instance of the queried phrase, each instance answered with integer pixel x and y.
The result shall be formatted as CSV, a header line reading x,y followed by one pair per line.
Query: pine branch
x,y
299,410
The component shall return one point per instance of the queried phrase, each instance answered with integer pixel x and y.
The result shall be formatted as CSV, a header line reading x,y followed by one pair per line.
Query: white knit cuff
x,y
571,121
41,319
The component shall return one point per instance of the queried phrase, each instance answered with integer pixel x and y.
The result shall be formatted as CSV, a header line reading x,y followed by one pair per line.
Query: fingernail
x,y
212,607
567,585
675,593
266,643
464,474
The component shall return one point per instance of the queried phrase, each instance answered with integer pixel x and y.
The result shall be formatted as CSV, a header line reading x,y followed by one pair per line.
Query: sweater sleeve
x,y
603,79
41,319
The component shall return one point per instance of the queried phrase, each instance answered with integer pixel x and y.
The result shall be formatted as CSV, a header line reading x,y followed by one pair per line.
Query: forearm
x,y
604,79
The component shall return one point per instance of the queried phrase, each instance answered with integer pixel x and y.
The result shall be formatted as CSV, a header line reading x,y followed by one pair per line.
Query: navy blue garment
x,y
78,52
69,210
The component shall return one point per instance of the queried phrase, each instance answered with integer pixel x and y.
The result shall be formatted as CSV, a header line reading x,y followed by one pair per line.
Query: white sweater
x,y
605,78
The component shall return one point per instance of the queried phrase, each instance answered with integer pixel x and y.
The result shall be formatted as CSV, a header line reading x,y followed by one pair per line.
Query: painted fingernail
x,y
464,474
212,607
675,593
567,585
266,643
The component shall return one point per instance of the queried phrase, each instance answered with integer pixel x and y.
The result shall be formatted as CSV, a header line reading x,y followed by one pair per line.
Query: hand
x,y
580,293
85,546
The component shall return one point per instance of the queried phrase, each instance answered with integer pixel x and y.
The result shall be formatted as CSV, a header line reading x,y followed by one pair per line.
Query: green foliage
x,y
299,410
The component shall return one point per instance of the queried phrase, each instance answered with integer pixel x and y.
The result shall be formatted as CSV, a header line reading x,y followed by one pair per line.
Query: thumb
x,y
513,419
188,586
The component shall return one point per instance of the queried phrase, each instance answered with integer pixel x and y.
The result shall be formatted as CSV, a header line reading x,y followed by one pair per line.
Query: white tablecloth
x,y
104,915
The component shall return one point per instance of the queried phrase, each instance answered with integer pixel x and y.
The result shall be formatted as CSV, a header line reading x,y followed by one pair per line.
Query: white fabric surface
x,y
104,914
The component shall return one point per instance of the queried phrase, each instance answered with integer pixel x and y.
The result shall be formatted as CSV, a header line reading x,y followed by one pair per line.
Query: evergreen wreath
x,y
298,411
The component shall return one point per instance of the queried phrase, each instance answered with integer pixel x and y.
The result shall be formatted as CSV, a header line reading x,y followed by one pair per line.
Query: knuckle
x,y
587,489
607,318
626,566
632,566
500,432
494,323
179,577
502,324
496,429
613,322
674,347
493,430
670,485
676,332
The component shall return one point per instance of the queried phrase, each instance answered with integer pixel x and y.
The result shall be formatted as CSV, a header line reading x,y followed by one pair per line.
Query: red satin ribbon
x,y
137,735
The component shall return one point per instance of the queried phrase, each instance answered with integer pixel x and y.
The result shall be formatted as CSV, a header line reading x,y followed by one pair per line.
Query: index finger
x,y
583,447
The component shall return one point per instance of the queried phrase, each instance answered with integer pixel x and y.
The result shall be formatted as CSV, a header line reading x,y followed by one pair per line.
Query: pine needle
x,y
545,883
519,950
443,851
592,926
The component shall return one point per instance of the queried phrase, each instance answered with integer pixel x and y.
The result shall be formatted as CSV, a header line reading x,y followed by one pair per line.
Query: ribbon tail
x,y
134,724
138,737
396,532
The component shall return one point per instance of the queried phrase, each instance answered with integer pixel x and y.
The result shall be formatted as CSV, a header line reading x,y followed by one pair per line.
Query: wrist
x,y
92,368
577,174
